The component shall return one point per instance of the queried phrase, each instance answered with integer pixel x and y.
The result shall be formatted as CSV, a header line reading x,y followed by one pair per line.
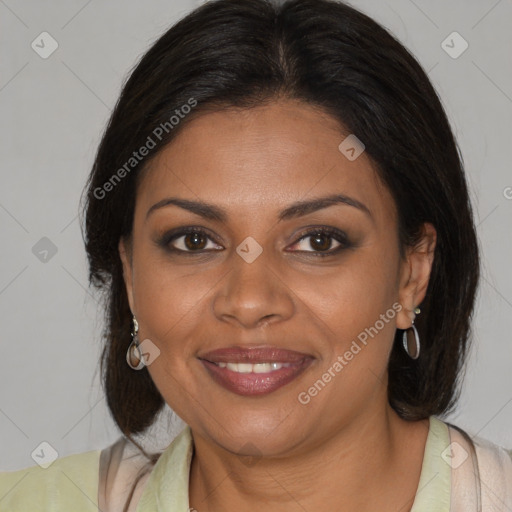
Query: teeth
x,y
253,368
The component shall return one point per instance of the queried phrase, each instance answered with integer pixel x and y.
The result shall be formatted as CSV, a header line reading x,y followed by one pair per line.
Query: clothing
x,y
451,477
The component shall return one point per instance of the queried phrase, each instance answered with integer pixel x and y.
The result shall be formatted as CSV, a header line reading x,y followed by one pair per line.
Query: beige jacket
x,y
459,473
454,478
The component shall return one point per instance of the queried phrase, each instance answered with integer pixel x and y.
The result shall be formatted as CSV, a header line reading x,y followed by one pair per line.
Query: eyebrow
x,y
298,209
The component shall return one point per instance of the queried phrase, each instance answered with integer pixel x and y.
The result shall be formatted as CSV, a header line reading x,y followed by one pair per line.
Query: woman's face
x,y
253,277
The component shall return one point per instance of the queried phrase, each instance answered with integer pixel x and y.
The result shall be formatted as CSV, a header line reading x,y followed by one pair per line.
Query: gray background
x,y
53,113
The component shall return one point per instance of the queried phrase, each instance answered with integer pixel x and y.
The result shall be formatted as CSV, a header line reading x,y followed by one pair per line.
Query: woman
x,y
279,217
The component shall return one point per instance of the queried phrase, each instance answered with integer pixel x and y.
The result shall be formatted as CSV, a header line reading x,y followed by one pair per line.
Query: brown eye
x,y
195,241
321,242
188,240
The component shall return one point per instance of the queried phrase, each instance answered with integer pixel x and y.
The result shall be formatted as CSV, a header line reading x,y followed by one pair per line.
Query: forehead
x,y
267,156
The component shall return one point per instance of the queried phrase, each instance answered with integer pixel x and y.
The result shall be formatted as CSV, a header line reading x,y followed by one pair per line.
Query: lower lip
x,y
251,384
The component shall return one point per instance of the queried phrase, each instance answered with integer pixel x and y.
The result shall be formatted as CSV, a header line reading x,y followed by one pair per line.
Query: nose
x,y
253,294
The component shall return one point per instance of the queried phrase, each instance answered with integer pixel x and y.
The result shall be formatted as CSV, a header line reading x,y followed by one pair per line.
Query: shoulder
x,y
124,471
69,483
480,464
495,461
491,456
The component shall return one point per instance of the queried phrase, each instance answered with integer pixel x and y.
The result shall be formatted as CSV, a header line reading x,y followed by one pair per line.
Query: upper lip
x,y
253,355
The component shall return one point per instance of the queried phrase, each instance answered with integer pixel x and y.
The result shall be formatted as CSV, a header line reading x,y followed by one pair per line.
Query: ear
x,y
125,252
415,274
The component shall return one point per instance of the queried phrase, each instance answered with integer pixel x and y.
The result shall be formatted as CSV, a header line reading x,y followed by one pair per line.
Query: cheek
x,y
360,317
169,306
354,295
169,300
357,306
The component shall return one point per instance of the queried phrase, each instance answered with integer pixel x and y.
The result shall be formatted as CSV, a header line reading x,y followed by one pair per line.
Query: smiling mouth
x,y
266,367
254,371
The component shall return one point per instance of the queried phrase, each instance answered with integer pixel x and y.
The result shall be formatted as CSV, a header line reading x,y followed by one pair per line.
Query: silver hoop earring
x,y
133,354
411,339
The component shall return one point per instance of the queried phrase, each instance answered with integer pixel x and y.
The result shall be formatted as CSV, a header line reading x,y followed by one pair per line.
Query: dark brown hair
x,y
245,53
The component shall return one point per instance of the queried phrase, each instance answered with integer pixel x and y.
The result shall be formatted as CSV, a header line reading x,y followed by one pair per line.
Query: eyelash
x,y
333,233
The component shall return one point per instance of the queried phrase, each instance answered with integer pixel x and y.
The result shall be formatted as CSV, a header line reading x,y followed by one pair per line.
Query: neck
x,y
372,464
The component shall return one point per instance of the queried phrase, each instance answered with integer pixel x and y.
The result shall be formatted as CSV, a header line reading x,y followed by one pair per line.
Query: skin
x,y
346,449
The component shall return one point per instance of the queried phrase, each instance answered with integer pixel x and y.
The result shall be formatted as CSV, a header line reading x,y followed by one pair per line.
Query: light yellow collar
x,y
167,487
